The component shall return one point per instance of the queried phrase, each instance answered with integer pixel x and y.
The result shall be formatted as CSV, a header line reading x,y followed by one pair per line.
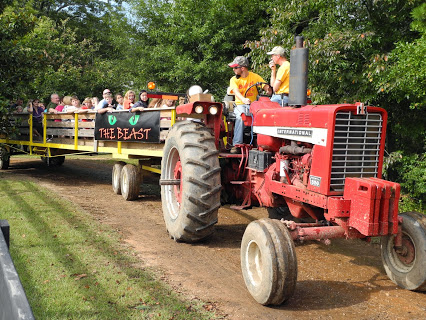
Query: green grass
x,y
72,267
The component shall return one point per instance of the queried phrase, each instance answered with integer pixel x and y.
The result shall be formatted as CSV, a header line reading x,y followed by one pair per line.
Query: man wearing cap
x,y
103,102
279,80
239,83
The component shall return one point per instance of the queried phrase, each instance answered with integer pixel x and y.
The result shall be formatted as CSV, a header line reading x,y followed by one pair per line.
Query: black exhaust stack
x,y
298,74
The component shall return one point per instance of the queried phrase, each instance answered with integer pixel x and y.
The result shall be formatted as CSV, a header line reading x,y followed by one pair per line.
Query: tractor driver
x,y
239,83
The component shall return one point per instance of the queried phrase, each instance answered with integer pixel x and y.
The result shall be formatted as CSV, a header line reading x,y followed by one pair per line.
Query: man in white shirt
x,y
103,102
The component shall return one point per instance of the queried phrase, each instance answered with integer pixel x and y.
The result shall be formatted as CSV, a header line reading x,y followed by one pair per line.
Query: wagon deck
x,y
75,133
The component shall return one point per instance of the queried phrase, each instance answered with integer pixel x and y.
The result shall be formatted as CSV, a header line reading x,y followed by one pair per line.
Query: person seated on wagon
x,y
168,103
37,111
109,105
17,104
64,101
54,102
95,101
18,109
87,104
120,101
129,99
142,103
75,105
29,102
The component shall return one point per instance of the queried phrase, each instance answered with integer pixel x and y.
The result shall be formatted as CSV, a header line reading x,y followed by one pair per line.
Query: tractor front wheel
x,y
268,262
190,182
406,266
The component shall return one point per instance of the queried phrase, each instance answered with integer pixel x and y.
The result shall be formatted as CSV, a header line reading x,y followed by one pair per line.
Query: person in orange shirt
x,y
129,99
239,83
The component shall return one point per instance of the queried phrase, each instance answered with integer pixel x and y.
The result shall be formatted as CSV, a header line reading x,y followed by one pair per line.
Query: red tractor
x,y
317,170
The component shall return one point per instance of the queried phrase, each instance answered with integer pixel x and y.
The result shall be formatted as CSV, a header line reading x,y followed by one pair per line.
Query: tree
x,y
400,82
44,49
344,38
181,43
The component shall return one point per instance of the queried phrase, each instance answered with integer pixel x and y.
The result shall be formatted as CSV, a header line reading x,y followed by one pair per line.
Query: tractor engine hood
x,y
309,123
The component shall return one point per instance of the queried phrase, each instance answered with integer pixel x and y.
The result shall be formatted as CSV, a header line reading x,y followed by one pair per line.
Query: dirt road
x,y
343,280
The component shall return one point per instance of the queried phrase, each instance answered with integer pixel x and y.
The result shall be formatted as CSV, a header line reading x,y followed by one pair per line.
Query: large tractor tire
x,y
116,176
407,267
130,182
4,158
190,182
268,262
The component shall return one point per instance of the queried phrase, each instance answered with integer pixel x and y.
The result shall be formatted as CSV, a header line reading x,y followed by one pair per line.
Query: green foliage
x,y
410,172
64,47
14,25
344,38
181,43
7,128
400,81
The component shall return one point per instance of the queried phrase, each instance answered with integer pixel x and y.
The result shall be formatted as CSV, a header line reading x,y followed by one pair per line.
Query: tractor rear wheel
x,y
268,262
116,176
130,182
4,158
190,182
407,267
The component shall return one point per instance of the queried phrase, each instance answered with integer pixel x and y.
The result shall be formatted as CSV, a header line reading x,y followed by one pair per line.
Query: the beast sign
x,y
128,126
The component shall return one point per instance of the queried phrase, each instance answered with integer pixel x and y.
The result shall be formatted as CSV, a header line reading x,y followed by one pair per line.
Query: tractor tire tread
x,y
194,218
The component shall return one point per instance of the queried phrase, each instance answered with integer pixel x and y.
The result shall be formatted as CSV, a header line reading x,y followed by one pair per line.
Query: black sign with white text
x,y
128,126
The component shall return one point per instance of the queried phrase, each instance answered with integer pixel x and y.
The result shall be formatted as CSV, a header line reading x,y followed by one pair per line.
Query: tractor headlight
x,y
199,109
213,110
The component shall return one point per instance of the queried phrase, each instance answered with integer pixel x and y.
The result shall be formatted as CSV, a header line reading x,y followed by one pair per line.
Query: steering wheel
x,y
258,86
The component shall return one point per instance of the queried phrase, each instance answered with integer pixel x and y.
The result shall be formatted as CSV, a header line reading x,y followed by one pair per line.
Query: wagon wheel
x,y
268,262
116,176
407,267
4,158
130,182
190,182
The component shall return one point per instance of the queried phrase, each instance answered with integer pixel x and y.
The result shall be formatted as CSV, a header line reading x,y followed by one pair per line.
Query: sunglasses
x,y
236,68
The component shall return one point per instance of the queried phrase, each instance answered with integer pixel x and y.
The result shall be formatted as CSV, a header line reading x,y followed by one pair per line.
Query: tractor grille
x,y
356,147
